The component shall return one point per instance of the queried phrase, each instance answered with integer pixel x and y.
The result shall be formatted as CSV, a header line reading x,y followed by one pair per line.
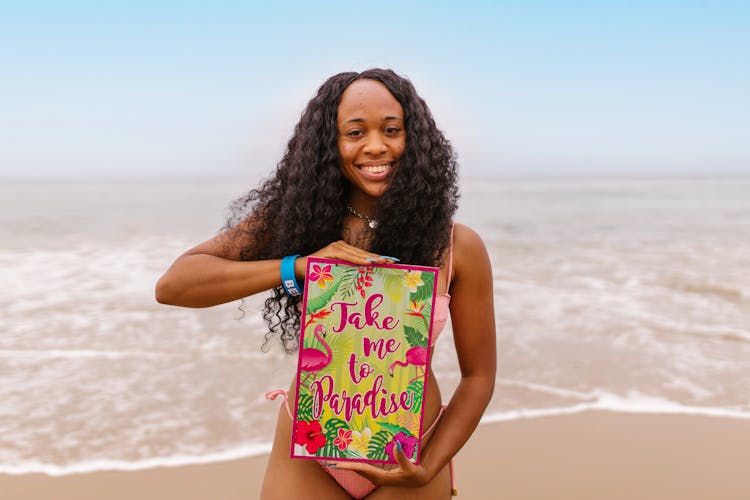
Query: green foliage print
x,y
332,427
416,389
376,449
414,338
420,322
304,408
424,292
330,450
314,304
348,277
394,429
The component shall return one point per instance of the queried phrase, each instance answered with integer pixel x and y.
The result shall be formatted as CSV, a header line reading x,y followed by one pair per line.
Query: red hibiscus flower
x,y
309,435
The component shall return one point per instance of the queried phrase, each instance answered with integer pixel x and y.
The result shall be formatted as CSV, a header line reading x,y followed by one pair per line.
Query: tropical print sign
x,y
363,360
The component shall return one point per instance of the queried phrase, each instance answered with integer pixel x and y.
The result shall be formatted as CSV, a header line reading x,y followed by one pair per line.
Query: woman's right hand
x,y
343,251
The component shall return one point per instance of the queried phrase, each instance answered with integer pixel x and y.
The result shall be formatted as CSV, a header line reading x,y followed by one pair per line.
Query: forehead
x,y
368,99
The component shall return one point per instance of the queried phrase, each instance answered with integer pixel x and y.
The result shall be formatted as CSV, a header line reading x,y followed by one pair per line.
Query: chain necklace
x,y
370,221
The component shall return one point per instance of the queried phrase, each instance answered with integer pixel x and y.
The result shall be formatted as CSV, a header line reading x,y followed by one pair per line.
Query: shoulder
x,y
469,251
231,242
464,236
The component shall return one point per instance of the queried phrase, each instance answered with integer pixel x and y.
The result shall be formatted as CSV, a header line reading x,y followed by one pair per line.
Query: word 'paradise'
x,y
377,400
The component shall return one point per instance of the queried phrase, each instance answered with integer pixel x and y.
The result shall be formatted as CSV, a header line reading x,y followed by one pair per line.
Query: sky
x,y
525,88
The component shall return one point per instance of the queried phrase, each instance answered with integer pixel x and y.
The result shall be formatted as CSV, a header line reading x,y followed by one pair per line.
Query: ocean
x,y
627,295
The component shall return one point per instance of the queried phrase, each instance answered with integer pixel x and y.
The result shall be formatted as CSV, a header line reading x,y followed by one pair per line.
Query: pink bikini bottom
x,y
354,484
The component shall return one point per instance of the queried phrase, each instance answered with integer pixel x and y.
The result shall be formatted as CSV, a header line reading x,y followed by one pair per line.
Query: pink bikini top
x,y
442,301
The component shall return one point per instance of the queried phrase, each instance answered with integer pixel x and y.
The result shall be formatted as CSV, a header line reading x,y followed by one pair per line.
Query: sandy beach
x,y
592,455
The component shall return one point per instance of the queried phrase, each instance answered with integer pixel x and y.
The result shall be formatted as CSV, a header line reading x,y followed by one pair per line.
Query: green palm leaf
x,y
376,449
417,389
314,304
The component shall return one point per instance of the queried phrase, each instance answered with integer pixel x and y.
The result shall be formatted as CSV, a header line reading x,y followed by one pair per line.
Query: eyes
x,y
390,130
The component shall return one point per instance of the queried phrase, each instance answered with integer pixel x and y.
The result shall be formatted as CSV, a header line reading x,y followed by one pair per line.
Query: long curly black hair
x,y
300,209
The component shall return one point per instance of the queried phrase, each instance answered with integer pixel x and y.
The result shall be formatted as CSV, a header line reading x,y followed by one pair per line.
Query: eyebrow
x,y
361,120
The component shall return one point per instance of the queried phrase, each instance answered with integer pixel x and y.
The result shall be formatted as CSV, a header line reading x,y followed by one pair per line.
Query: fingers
x,y
402,459
344,251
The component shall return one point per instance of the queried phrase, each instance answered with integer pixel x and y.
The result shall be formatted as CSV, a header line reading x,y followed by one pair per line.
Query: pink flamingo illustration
x,y
313,360
416,356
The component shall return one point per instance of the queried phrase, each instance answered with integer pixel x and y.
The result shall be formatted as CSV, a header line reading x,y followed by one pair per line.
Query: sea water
x,y
629,295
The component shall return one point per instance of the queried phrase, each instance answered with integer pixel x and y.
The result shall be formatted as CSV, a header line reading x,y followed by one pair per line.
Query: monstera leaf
x,y
414,337
376,449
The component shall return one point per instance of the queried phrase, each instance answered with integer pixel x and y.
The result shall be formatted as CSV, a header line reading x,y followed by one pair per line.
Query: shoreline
x,y
588,455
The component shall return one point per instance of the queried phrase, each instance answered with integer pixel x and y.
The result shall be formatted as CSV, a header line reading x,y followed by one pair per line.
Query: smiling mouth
x,y
375,169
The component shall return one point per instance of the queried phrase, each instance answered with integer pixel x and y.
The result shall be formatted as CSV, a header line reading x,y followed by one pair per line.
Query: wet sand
x,y
592,455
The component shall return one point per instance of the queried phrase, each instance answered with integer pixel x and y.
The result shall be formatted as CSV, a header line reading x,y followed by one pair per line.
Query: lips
x,y
375,171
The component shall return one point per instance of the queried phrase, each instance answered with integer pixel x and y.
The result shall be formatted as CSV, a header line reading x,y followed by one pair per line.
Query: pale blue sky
x,y
520,88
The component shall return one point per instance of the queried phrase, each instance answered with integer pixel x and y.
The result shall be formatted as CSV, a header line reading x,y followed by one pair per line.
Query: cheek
x,y
400,148
346,151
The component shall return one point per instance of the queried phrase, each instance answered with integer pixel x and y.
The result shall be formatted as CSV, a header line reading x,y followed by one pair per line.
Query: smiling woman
x,y
367,174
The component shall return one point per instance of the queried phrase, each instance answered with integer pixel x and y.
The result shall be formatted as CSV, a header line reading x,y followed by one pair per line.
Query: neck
x,y
363,204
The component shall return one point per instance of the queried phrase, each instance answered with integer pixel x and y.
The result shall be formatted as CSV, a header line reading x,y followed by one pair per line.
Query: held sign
x,y
363,360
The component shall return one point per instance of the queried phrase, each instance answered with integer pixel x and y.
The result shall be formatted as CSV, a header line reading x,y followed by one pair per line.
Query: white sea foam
x,y
207,351
634,402
548,389
37,467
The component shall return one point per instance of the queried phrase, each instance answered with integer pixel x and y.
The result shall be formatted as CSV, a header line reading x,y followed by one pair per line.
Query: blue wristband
x,y
288,279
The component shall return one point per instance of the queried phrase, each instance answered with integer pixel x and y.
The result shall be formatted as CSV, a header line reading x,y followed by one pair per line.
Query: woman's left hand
x,y
404,474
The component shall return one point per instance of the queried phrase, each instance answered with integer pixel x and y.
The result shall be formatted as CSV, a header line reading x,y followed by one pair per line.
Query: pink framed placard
x,y
363,360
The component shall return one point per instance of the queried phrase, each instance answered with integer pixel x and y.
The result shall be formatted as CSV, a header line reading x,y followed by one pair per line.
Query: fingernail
x,y
398,446
394,259
372,259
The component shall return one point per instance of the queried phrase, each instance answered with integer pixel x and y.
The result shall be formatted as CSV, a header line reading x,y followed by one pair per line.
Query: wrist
x,y
300,267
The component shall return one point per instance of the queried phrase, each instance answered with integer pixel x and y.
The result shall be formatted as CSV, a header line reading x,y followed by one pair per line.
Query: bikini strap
x,y
281,392
450,260
429,429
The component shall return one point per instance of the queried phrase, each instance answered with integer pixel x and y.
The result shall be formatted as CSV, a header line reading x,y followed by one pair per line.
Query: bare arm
x,y
473,320
212,273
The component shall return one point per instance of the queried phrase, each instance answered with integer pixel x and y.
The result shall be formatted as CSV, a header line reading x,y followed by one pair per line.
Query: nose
x,y
375,145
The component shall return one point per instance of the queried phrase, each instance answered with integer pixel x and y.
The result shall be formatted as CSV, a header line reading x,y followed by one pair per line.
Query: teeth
x,y
376,169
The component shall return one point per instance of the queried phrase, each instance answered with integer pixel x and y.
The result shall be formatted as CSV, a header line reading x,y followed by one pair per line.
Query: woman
x,y
366,175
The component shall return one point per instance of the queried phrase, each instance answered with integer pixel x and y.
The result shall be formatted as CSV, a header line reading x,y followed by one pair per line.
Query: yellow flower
x,y
412,280
361,440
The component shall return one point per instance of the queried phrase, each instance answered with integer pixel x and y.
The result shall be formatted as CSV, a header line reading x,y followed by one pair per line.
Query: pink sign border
x,y
312,260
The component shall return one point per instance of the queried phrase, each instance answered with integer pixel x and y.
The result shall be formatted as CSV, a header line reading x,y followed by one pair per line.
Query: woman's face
x,y
371,137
